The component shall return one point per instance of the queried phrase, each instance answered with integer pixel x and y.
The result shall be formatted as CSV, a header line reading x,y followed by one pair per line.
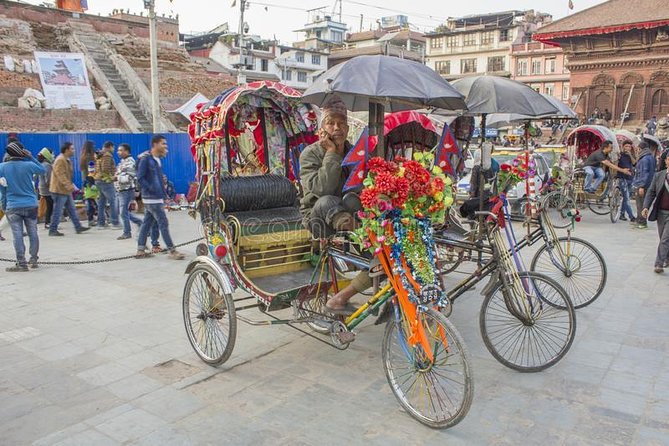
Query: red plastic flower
x,y
505,167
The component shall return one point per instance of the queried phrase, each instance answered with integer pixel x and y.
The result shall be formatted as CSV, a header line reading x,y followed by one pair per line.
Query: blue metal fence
x,y
178,166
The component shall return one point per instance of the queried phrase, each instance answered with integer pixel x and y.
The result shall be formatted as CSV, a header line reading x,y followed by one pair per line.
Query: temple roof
x,y
608,17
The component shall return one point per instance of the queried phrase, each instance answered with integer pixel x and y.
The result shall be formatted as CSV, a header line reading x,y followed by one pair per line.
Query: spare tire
x,y
257,192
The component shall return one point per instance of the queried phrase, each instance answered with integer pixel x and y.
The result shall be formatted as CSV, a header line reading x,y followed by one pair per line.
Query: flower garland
x,y
401,200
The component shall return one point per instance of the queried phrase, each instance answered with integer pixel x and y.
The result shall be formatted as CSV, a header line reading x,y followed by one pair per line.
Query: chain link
x,y
111,259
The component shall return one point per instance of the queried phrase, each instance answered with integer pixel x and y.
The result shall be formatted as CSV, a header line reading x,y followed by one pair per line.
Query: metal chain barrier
x,y
111,259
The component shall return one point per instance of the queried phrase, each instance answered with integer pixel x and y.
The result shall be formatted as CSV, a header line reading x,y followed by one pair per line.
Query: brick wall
x,y
16,119
37,14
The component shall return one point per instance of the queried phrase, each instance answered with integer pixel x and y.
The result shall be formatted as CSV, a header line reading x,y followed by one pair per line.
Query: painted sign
x,y
65,80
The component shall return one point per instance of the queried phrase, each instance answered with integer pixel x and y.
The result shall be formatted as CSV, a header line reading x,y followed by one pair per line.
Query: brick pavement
x,y
97,355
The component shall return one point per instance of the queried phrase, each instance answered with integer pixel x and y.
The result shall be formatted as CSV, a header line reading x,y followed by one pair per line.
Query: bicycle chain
x,y
92,262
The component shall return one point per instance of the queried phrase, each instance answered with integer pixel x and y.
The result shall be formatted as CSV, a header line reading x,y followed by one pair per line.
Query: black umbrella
x,y
399,84
383,83
493,94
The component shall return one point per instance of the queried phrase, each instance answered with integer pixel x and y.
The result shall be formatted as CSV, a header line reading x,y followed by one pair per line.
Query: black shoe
x,y
123,237
623,218
33,263
82,229
17,269
55,234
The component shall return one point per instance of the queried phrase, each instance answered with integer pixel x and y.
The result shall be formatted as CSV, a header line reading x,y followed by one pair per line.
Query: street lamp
x,y
155,86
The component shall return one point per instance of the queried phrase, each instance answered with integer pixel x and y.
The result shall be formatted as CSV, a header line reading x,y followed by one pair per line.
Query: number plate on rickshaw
x,y
429,294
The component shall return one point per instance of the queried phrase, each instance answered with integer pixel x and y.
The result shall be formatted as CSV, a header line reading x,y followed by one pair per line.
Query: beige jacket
x,y
61,176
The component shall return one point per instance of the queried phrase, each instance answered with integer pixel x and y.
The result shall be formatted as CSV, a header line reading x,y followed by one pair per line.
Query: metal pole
x,y
629,98
155,86
241,78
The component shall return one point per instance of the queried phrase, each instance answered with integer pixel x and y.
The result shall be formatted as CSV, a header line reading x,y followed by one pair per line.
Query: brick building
x,y
479,44
542,67
618,55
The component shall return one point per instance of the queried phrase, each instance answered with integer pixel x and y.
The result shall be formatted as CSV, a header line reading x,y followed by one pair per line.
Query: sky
x,y
279,18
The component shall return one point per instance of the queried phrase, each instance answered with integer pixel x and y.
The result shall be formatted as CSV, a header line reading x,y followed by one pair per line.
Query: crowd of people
x,y
642,174
43,187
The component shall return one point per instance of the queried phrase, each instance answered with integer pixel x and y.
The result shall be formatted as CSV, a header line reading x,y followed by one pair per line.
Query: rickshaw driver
x,y
323,178
593,167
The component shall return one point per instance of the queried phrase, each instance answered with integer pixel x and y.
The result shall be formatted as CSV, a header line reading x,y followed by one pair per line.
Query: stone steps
x,y
99,55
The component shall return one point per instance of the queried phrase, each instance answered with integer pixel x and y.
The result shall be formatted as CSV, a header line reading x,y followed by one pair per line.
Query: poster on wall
x,y
65,80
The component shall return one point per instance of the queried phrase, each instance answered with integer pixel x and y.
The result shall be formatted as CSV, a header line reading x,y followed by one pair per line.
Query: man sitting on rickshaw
x,y
323,177
593,167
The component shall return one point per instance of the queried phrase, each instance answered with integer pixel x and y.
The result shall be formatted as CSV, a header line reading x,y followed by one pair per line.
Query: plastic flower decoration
x,y
401,200
514,172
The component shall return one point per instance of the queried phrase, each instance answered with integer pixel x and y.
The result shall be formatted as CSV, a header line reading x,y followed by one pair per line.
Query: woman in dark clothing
x,y
86,156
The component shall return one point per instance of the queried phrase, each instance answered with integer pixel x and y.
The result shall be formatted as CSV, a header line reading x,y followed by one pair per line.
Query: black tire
x,y
583,274
615,204
599,204
528,346
451,385
557,205
448,258
209,315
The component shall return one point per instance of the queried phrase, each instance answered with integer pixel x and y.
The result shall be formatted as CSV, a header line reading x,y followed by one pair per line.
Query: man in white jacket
x,y
126,182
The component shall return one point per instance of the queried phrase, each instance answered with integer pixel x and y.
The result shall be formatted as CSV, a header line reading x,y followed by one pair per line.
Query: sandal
x,y
141,254
156,250
347,310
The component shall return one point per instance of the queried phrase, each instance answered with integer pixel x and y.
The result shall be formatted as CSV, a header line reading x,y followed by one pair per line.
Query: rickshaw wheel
x,y
209,315
437,392
540,338
615,204
557,204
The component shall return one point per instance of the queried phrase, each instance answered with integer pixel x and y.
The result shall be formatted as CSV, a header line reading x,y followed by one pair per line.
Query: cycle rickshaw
x,y
607,200
246,146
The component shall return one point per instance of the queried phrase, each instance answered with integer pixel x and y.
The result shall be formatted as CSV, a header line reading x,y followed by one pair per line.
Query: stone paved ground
x,y
97,355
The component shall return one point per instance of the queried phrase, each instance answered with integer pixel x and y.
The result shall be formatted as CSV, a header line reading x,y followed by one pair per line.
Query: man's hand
x,y
644,213
626,171
641,192
326,142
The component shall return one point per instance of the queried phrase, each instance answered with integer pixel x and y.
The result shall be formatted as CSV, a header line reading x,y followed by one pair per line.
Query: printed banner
x,y
65,80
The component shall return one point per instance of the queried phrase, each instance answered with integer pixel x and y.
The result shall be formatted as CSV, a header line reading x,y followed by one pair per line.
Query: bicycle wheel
x,y
544,335
209,315
600,203
448,258
437,392
557,205
615,204
582,270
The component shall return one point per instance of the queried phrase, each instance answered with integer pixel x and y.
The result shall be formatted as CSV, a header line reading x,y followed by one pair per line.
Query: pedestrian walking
x,y
626,161
18,200
61,188
105,175
45,158
87,155
656,208
643,178
126,183
150,179
91,195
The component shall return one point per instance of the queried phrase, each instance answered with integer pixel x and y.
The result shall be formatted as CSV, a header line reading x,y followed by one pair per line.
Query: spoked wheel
x,y
558,205
538,339
437,392
315,309
579,268
599,204
209,315
615,204
448,258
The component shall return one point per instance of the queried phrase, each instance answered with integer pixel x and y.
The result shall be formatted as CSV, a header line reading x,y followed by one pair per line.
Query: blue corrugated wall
x,y
178,166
